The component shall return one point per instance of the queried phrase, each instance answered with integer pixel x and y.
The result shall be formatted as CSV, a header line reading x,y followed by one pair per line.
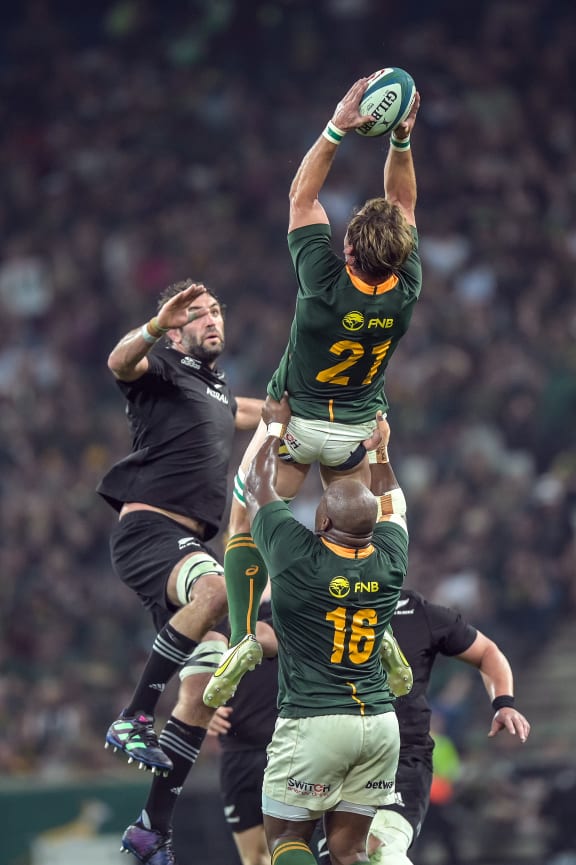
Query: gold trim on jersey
x,y
348,552
357,699
365,288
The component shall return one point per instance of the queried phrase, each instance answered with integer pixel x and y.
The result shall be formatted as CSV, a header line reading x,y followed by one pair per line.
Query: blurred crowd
x,y
143,143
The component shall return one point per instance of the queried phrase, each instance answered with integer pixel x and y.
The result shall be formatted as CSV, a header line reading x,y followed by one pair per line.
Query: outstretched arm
x,y
496,673
399,174
305,209
248,413
127,360
383,483
260,482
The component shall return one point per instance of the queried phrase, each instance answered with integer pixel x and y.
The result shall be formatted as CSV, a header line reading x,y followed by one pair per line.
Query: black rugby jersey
x,y
424,630
181,417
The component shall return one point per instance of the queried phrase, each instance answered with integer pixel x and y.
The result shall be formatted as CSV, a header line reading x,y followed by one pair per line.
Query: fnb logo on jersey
x,y
307,788
355,320
380,322
339,587
372,586
380,785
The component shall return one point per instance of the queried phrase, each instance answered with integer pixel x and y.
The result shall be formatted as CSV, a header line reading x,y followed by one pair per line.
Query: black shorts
x,y
413,781
241,777
145,547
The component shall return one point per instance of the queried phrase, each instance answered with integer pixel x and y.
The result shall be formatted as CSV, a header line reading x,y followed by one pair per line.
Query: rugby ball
x,y
388,98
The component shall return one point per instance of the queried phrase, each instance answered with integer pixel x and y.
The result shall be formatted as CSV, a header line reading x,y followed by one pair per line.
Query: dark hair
x,y
177,287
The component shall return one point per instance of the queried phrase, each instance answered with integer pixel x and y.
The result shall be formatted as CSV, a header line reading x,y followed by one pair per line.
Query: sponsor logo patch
x,y
339,587
307,788
183,543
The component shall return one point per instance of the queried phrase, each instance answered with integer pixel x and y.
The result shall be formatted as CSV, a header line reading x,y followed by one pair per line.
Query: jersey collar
x,y
365,288
348,552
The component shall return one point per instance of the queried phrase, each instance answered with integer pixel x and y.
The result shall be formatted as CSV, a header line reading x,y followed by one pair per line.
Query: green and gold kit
x,y
343,333
330,606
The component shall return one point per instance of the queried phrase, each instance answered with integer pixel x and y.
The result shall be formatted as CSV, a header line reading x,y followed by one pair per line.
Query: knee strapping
x,y
191,570
204,659
395,833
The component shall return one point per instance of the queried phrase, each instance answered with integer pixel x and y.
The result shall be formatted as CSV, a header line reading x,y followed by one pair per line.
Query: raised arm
x,y
399,173
383,483
496,673
305,209
260,482
128,359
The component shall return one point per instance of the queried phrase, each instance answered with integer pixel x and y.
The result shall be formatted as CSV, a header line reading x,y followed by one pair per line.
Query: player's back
x,y
343,334
330,611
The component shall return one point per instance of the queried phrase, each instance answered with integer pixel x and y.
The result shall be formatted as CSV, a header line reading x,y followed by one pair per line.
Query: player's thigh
x,y
199,577
241,774
412,795
289,478
346,835
252,846
360,472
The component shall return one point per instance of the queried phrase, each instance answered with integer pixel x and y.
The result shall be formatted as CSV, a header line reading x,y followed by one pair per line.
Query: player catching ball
x,y
351,313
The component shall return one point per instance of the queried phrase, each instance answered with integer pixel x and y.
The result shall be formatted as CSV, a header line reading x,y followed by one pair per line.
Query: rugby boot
x,y
135,737
240,658
148,845
397,668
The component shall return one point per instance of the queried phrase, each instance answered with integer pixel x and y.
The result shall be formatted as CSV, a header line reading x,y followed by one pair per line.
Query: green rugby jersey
x,y
343,333
330,606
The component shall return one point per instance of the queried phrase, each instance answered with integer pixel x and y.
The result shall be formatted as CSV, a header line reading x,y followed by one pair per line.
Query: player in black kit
x,y
425,630
170,493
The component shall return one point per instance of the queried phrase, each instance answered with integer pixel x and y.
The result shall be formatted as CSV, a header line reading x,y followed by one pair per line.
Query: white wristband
x,y
399,143
276,429
332,134
147,336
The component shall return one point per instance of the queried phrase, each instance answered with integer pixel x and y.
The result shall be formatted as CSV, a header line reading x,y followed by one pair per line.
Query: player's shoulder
x,y
313,230
412,597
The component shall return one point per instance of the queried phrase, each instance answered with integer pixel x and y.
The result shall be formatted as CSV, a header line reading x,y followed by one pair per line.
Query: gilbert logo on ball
x,y
388,98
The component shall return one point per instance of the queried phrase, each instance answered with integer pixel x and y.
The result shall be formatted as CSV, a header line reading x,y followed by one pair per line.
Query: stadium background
x,y
145,142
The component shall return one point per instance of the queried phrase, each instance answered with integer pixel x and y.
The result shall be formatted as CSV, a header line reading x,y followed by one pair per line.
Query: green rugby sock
x,y
294,852
246,578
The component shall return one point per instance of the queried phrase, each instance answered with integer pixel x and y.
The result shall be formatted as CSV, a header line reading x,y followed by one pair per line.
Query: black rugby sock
x,y
181,743
170,651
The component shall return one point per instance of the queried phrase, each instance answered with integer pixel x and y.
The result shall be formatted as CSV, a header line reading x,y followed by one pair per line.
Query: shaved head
x,y
350,507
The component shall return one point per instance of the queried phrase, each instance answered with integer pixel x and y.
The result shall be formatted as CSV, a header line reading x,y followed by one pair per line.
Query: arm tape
x,y
392,502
